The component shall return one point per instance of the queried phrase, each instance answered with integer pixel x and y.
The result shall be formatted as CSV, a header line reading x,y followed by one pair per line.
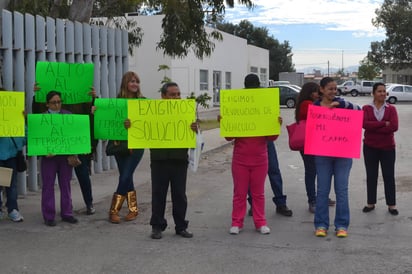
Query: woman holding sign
x,y
52,166
380,121
328,167
130,89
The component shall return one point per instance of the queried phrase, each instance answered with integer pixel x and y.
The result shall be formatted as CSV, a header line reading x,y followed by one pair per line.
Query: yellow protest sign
x,y
249,112
161,123
11,114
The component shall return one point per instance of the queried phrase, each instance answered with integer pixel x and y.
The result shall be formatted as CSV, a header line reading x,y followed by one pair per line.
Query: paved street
x,y
377,242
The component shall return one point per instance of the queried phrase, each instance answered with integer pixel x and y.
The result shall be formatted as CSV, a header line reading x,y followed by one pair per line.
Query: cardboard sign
x,y
249,112
73,80
333,132
11,114
161,123
58,134
5,176
109,118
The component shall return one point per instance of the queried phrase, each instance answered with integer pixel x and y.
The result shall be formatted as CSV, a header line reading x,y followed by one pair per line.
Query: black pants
x,y
386,158
83,176
164,172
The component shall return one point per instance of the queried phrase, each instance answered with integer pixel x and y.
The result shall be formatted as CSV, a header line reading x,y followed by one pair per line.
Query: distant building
x,y
226,68
403,76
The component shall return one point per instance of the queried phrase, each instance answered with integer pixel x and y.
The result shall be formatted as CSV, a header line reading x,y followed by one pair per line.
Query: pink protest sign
x,y
333,132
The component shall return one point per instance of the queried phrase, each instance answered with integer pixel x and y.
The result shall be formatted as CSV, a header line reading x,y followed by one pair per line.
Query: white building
x,y
226,68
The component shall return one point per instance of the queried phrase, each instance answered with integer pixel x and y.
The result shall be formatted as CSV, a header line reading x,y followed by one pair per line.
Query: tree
x,y
280,54
183,23
396,50
368,70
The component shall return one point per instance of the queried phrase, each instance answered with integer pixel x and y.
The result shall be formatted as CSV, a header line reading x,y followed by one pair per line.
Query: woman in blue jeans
x,y
328,167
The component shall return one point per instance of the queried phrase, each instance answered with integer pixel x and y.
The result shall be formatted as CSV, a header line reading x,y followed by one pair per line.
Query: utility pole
x,y
342,61
328,68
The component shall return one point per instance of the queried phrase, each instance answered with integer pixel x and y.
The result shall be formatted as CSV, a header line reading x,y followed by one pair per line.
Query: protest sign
x,y
58,134
109,119
73,80
249,112
5,176
11,114
333,132
161,123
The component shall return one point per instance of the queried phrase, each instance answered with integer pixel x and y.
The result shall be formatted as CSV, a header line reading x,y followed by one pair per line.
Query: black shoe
x,y
393,211
156,234
50,222
90,210
184,233
284,210
367,209
70,220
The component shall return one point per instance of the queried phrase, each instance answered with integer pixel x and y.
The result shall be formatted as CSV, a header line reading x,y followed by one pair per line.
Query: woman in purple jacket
x,y
380,122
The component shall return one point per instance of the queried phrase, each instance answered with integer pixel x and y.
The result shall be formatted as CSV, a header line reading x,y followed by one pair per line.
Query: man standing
x,y
169,166
275,177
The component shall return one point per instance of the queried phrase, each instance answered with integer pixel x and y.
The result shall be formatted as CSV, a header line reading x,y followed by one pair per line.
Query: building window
x,y
228,79
263,77
254,70
203,79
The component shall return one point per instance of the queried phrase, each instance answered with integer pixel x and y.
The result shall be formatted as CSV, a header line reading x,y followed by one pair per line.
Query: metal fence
x,y
26,39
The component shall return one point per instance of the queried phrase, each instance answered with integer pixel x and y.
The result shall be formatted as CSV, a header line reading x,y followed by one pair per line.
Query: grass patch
x,y
209,124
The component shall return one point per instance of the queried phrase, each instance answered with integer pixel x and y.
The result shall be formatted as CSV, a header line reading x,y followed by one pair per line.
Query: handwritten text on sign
x,y
109,119
11,114
58,134
161,123
73,80
333,132
249,112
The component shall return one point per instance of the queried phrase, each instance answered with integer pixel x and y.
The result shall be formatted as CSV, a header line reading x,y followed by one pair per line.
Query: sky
x,y
322,33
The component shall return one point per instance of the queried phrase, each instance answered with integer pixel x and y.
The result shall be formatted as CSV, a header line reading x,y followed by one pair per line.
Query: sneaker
x,y
264,230
341,233
234,230
312,207
331,202
15,216
70,220
284,210
185,233
90,210
321,232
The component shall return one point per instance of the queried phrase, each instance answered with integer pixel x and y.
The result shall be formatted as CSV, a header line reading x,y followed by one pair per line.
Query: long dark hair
x,y
304,95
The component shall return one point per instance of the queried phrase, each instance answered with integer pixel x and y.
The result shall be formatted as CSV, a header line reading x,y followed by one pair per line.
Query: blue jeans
x,y
310,176
11,192
127,165
83,176
275,178
339,168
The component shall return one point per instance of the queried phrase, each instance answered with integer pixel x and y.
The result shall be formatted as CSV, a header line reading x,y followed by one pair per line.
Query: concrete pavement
x,y
377,242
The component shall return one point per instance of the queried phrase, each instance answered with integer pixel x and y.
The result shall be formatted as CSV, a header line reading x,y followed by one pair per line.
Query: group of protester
x,y
253,159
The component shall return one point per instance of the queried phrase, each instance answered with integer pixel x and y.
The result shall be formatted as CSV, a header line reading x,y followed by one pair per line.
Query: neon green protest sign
x,y
73,80
11,114
109,119
58,134
161,123
249,112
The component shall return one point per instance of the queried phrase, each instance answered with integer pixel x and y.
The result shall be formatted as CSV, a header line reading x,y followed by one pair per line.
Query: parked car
x,y
345,88
398,93
362,88
288,95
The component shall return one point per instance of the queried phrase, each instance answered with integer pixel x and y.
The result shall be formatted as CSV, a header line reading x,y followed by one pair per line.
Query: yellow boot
x,y
132,204
117,202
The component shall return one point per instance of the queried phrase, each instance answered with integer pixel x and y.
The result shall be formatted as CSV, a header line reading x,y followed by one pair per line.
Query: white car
x,y
398,93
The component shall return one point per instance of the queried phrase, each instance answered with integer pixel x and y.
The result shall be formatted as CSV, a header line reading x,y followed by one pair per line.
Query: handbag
x,y
118,148
296,133
21,164
73,160
194,153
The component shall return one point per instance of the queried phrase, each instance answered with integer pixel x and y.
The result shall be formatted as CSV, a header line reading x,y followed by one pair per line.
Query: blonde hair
x,y
127,77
